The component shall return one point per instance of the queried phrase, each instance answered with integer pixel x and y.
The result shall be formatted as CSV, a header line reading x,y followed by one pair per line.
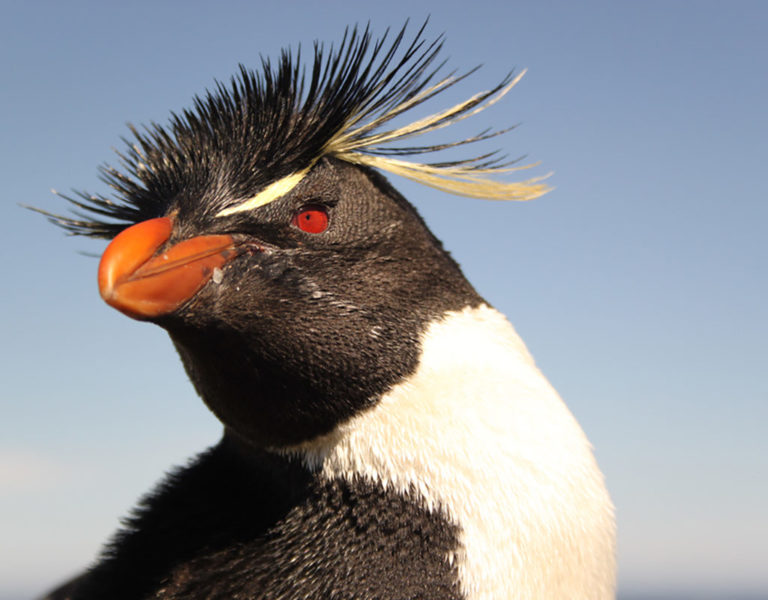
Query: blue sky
x,y
639,283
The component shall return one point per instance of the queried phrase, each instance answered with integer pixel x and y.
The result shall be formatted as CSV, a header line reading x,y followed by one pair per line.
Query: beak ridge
x,y
141,282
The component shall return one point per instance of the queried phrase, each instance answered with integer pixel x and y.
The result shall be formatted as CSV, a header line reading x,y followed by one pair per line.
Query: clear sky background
x,y
639,283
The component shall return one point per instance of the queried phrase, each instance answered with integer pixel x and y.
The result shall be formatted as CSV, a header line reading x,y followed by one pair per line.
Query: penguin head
x,y
293,279
310,308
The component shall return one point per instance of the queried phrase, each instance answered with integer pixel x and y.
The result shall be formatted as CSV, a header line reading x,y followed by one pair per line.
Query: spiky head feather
x,y
248,143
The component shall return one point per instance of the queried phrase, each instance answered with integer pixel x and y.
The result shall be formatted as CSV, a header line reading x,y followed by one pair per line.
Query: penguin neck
x,y
478,434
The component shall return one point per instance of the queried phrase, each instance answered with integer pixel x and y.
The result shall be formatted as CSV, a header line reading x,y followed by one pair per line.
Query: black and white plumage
x,y
387,434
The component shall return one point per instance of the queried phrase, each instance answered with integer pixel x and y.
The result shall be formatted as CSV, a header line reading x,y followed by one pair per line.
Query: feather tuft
x,y
244,144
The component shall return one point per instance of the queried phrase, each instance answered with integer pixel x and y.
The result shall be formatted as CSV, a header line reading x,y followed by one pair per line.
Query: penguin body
x,y
241,524
386,433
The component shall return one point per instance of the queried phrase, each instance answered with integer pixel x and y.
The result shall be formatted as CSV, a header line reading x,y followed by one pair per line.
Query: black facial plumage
x,y
311,329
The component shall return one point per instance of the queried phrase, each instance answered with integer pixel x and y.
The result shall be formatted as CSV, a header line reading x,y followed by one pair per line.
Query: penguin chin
x,y
264,405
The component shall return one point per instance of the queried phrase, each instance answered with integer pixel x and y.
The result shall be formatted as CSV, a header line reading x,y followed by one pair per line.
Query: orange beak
x,y
142,283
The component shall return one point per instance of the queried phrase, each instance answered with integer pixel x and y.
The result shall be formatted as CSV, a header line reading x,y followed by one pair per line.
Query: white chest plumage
x,y
479,433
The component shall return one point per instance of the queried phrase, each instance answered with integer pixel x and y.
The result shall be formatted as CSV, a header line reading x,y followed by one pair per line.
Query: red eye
x,y
312,219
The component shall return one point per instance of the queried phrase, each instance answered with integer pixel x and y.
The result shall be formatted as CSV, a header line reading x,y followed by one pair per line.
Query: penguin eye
x,y
311,219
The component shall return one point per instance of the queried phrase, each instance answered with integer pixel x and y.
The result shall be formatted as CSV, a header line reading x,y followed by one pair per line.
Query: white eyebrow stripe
x,y
272,192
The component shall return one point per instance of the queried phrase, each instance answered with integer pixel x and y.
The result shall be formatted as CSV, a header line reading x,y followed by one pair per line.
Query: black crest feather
x,y
266,125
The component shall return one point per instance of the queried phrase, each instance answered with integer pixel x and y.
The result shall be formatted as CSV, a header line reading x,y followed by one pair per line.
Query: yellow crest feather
x,y
464,178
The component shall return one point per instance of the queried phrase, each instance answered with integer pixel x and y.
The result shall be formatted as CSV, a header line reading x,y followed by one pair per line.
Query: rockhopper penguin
x,y
386,433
